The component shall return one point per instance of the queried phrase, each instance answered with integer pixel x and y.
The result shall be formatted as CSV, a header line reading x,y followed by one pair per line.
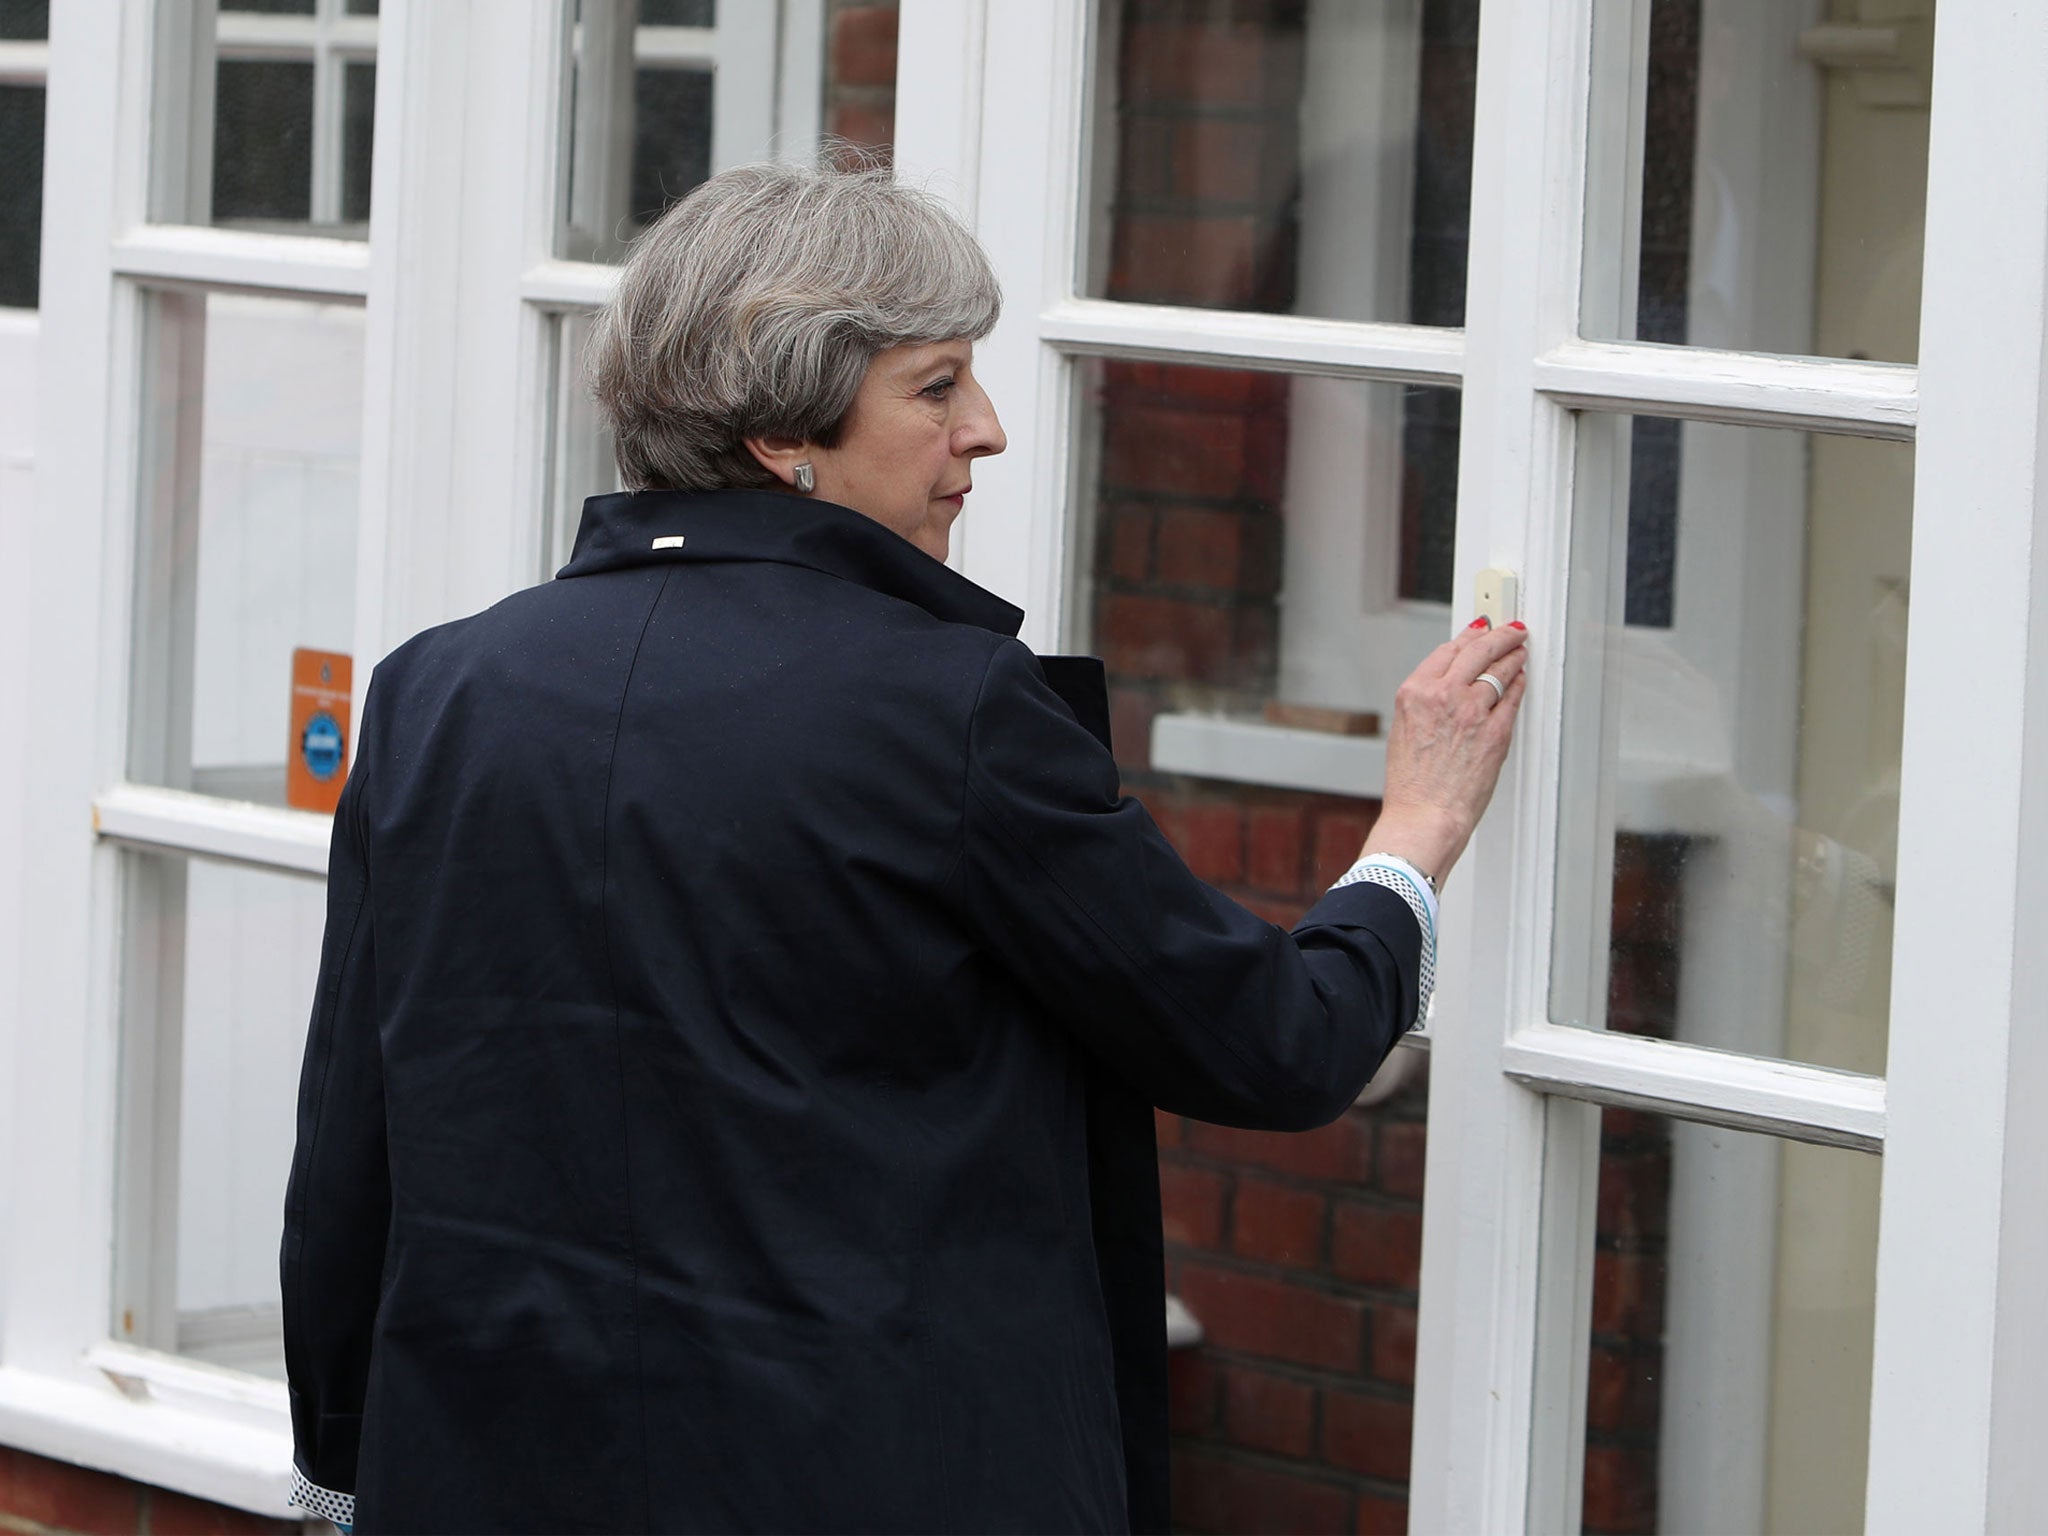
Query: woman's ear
x,y
780,456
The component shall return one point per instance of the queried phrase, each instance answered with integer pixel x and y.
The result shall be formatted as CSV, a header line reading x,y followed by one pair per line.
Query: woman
x,y
728,1097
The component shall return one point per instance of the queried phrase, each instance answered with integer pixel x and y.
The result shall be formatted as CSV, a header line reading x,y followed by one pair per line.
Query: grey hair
x,y
754,306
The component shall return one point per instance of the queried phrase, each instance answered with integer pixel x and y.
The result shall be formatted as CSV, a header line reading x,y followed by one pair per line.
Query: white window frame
x,y
1515,1098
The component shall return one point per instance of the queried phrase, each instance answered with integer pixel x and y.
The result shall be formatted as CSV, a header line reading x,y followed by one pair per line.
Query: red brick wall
x,y
39,1495
860,72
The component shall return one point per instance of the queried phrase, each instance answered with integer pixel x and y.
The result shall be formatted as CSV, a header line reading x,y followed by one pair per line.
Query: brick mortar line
x,y
1310,1471
1183,1157
1258,1269
1310,1375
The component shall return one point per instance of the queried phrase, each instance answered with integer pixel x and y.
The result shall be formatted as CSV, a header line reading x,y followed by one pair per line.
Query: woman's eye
x,y
938,389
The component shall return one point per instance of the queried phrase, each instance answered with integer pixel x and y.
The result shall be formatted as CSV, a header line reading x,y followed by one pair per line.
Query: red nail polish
x,y
1516,624
1479,623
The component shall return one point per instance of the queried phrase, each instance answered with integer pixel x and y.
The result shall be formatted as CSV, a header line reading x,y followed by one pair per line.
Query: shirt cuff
x,y
338,1508
1404,880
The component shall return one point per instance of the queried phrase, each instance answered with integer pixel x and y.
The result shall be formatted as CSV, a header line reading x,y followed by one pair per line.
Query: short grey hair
x,y
754,306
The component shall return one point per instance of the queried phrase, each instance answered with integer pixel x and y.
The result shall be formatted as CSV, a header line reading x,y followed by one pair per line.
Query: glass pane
x,y
1250,538
263,122
679,13
362,7
1309,159
1758,180
649,116
249,537
21,194
1729,799
358,107
671,138
1238,551
581,464
1734,1290
219,984
263,142
24,20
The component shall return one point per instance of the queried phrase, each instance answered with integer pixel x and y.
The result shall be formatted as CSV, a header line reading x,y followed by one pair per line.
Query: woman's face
x,y
906,455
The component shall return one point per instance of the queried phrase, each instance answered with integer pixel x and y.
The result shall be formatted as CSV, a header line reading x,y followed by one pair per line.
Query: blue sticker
x,y
320,745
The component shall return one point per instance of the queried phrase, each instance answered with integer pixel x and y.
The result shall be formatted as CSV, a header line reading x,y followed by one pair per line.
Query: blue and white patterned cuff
x,y
337,1508
1404,880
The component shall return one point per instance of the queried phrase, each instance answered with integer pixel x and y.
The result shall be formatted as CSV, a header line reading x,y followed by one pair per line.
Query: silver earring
x,y
806,480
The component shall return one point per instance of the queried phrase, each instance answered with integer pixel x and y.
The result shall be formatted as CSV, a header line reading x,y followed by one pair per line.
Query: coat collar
x,y
622,530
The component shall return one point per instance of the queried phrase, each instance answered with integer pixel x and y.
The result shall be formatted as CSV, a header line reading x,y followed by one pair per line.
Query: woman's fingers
x,y
1506,669
1478,651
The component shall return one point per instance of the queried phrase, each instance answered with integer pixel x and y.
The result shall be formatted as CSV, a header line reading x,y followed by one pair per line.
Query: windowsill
x,y
156,1428
179,821
1244,750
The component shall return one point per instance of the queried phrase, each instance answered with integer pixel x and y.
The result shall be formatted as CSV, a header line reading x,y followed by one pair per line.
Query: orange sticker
x,y
316,761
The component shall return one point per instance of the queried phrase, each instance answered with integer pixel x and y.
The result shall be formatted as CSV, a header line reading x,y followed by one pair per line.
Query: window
x,y
24,51
279,137
1713,1011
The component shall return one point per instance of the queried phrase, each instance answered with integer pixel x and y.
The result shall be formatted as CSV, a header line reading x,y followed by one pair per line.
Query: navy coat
x,y
727,1104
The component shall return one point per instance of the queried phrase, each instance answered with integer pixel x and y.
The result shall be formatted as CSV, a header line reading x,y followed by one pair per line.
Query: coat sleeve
x,y
1197,1003
338,1201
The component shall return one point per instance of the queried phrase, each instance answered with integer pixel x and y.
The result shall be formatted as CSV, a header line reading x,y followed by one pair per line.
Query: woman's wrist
x,y
1425,837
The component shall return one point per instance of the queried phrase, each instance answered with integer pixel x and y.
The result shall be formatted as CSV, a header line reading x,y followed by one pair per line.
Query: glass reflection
x,y
1245,539
220,966
1758,175
265,115
21,195
662,93
1734,1291
1729,798
1289,158
580,458
253,435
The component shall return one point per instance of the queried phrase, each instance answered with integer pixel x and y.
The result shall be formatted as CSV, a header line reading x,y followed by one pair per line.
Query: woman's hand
x,y
1450,735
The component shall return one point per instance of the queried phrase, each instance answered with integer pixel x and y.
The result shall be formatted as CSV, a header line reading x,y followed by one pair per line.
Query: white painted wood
x,y
743,88
267,837
568,284
20,332
1029,58
1415,354
23,63
1960,1378
1477,1396
940,58
244,259
53,1269
1844,1109
799,80
198,1450
450,518
1742,388
255,34
173,1378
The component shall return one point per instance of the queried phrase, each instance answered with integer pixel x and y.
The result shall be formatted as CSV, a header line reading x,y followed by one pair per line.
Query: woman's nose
x,y
981,434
